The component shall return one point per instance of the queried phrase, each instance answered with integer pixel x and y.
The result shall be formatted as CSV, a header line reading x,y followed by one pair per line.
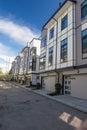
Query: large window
x,y
64,22
84,10
50,56
64,50
84,41
30,66
42,61
51,33
34,63
44,41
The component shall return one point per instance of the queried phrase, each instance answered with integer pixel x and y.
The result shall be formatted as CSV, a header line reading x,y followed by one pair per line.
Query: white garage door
x,y
49,83
76,85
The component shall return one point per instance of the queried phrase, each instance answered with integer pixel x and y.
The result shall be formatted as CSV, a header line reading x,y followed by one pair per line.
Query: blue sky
x,y
20,21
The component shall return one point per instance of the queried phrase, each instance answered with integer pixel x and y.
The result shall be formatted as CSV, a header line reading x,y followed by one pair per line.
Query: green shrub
x,y
58,88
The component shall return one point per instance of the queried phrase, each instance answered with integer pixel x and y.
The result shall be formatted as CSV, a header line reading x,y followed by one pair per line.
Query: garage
x,y
76,85
48,83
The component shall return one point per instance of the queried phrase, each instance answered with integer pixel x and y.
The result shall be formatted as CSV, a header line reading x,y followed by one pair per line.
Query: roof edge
x,y
24,48
74,1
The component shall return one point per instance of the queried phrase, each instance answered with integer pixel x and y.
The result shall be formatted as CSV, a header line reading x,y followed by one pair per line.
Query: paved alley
x,y
21,109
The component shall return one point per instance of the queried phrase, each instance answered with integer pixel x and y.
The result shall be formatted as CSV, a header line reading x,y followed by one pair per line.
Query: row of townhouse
x,y
63,50
25,67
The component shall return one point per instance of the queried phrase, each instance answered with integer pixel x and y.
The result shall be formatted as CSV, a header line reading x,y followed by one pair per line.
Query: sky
x,y
20,22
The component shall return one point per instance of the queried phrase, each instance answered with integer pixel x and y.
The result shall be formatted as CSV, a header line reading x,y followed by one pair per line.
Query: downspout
x,y
56,46
74,37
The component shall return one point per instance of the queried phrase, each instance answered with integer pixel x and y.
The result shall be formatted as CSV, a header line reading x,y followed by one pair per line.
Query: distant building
x,y
23,64
33,62
16,68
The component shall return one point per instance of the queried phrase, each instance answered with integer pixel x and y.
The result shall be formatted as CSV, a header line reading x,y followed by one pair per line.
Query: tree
x,y
10,71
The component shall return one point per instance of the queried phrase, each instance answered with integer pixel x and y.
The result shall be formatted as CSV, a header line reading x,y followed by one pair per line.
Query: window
x,y
84,10
50,56
33,51
44,41
30,65
34,63
84,41
64,22
51,33
38,77
64,50
42,61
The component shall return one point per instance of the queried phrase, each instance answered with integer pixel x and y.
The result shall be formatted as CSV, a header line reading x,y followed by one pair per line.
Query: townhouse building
x,y
16,68
25,68
33,62
13,69
63,54
23,64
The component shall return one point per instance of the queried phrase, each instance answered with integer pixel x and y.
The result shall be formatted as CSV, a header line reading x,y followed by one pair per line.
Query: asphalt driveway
x,y
21,109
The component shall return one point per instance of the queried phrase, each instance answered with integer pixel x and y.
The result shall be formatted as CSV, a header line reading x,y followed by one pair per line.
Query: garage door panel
x,y
76,85
49,83
79,86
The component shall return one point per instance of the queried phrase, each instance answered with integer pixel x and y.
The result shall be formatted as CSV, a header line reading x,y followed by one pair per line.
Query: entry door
x,y
42,82
67,85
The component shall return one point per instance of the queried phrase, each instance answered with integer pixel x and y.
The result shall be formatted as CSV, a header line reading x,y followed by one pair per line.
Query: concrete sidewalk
x,y
76,103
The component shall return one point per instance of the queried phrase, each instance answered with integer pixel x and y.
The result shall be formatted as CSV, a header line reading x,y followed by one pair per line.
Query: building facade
x,y
23,64
64,49
61,55
33,62
25,68
16,68
13,70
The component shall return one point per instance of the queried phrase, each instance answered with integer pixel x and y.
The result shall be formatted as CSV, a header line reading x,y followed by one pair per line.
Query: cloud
x,y
6,52
19,33
6,57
